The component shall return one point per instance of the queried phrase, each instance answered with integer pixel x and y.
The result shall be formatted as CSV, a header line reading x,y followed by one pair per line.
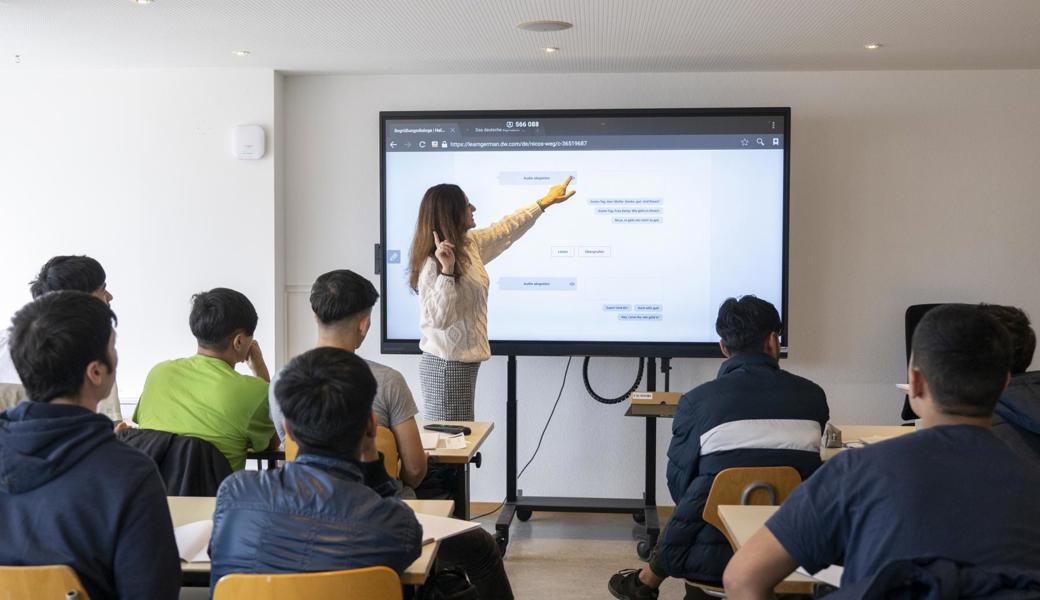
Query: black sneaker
x,y
625,585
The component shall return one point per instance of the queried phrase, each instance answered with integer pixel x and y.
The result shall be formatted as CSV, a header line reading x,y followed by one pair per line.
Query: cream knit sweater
x,y
453,311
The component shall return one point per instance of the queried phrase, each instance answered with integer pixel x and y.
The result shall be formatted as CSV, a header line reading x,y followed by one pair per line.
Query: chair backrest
x,y
914,314
387,444
48,582
291,448
371,583
748,485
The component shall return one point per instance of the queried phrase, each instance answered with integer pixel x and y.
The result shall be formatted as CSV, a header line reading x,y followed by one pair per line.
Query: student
x,y
951,489
315,513
203,396
1016,419
74,273
753,415
70,493
342,302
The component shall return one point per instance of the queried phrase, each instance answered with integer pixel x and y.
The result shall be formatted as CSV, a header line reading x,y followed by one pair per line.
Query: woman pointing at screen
x,y
447,271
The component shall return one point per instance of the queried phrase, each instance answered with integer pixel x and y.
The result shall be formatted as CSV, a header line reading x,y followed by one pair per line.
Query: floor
x,y
562,555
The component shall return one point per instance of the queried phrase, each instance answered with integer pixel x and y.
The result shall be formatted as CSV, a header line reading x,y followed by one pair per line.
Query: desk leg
x,y
461,492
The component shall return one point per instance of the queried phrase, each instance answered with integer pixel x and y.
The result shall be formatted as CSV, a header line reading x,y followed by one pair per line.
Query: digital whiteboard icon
x,y
393,257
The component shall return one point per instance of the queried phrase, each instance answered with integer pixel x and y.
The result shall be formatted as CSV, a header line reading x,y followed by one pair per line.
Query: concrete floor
x,y
562,555
572,555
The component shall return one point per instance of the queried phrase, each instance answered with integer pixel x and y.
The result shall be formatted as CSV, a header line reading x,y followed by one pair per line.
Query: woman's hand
x,y
557,194
445,254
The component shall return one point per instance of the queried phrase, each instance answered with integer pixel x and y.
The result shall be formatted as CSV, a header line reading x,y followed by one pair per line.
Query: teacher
x,y
446,269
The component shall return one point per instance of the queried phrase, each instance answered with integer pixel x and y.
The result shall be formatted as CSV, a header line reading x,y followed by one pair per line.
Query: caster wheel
x,y
643,549
502,543
523,514
639,517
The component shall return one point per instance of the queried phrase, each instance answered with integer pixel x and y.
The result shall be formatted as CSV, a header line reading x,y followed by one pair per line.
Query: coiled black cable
x,y
621,398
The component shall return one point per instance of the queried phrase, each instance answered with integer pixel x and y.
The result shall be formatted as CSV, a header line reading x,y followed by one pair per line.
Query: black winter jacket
x,y
754,414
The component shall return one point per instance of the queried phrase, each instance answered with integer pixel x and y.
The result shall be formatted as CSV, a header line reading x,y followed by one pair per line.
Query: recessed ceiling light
x,y
142,1
872,46
545,25
551,49
241,52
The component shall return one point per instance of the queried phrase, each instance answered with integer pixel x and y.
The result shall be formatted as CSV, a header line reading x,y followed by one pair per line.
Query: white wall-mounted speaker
x,y
248,142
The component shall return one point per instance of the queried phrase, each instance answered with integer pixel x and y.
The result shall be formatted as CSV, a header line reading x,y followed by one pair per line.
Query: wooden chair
x,y
48,582
768,486
387,444
371,583
291,449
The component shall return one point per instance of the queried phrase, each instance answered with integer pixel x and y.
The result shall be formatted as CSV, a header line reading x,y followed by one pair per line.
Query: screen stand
x,y
643,510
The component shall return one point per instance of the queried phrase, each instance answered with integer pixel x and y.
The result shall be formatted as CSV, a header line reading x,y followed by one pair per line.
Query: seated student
x,y
315,513
70,493
1016,419
753,415
73,273
203,396
342,302
951,489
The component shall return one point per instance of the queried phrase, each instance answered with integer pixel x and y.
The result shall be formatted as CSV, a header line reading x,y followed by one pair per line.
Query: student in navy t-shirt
x,y
952,490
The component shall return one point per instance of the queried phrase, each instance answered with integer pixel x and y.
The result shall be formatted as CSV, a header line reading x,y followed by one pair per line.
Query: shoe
x,y
625,585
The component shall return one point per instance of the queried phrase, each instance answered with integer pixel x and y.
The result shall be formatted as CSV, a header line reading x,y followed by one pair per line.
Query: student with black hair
x,y
315,513
342,302
71,273
202,395
951,489
70,492
754,414
1016,418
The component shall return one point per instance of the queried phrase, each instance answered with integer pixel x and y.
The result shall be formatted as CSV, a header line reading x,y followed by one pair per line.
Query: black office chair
x,y
913,316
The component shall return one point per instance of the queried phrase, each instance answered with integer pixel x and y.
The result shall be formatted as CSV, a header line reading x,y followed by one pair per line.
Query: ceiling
x,y
480,36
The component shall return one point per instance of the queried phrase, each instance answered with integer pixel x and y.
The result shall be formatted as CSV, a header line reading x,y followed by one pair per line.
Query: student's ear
x,y
725,350
364,323
240,345
96,371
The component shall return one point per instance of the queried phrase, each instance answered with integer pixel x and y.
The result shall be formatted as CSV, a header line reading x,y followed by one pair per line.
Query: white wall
x,y
907,187
134,168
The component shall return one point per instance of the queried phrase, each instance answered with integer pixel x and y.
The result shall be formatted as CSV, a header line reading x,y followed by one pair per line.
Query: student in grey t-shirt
x,y
342,302
394,405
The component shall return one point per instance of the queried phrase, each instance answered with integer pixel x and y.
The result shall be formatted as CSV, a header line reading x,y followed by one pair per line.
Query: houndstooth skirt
x,y
448,388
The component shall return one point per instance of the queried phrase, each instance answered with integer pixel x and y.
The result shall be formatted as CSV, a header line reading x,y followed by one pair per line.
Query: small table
x,y
742,522
859,433
185,509
461,458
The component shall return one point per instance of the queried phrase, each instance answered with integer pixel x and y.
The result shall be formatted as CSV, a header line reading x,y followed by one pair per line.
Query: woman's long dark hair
x,y
443,210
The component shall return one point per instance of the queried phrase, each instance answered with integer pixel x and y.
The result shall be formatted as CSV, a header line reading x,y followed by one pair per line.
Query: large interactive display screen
x,y
675,211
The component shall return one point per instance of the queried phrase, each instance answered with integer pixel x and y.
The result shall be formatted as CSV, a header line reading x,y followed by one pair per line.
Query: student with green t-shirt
x,y
203,396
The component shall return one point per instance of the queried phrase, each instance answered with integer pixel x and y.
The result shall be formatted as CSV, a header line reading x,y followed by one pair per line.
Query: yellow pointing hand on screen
x,y
557,194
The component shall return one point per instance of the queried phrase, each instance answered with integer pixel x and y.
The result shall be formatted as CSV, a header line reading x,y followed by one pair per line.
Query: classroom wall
x,y
135,169
907,187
